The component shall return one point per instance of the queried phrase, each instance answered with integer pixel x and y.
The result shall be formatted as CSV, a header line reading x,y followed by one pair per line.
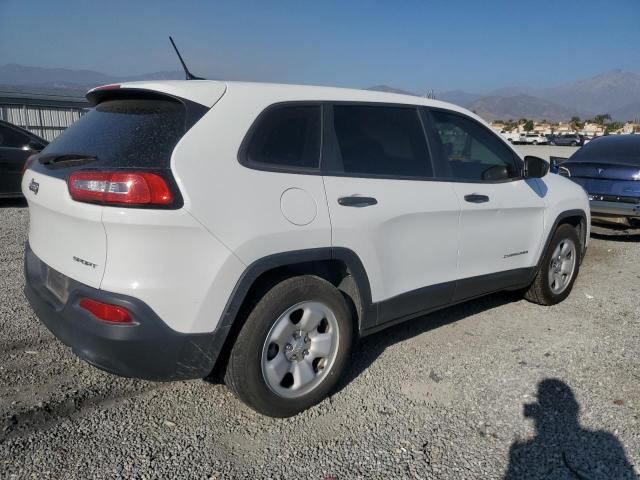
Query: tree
x,y
612,127
575,123
601,119
528,126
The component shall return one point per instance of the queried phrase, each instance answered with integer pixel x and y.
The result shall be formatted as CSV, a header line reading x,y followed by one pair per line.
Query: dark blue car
x,y
608,168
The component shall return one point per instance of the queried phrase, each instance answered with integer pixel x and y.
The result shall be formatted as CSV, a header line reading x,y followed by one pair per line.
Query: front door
x,y
385,206
501,219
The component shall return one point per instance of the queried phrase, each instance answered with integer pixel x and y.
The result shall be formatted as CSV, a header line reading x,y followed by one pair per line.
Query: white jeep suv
x,y
261,229
533,139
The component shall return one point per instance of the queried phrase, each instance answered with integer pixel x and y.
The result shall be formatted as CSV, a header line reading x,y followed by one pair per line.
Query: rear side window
x,y
125,133
469,150
380,140
10,138
287,136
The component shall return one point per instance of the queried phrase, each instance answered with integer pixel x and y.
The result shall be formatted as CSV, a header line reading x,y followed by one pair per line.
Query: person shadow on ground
x,y
561,448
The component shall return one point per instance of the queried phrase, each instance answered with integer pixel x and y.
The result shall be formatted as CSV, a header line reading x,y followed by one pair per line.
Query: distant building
x,y
46,115
593,129
631,127
563,128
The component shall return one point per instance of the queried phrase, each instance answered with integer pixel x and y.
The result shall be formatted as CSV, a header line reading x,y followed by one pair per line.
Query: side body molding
x,y
377,316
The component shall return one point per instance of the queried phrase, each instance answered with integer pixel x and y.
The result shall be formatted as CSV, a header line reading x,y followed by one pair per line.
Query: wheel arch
x,y
340,266
576,218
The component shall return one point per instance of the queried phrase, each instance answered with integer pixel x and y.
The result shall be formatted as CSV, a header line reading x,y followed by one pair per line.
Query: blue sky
x,y
474,45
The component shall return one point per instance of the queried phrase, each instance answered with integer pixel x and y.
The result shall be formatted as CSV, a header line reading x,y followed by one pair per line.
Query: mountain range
x,y
616,92
13,74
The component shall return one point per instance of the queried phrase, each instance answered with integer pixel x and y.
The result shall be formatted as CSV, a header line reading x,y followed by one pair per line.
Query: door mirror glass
x,y
495,173
535,167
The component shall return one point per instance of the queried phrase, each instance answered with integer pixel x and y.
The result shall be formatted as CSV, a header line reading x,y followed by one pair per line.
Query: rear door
x,y
385,207
501,220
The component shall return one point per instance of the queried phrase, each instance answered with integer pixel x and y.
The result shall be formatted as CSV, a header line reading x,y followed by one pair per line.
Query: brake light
x,y
106,312
119,188
28,163
110,86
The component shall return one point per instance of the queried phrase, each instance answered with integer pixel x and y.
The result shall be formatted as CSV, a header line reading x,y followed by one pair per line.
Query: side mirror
x,y
35,146
535,167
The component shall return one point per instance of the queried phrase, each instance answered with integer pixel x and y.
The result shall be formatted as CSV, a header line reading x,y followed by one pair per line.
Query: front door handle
x,y
356,201
476,198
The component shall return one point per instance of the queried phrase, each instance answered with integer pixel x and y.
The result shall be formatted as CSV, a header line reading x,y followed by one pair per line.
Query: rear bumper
x,y
147,349
622,209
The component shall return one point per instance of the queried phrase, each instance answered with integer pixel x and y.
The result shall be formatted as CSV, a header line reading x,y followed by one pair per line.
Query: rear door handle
x,y
476,198
356,201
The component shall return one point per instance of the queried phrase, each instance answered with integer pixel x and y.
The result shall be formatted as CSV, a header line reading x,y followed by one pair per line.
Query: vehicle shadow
x,y
561,448
615,234
13,203
47,415
369,348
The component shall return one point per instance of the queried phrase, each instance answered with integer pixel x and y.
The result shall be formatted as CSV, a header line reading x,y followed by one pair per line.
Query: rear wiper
x,y
65,161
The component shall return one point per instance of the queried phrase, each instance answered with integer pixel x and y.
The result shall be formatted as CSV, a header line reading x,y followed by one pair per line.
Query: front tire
x,y
293,347
559,269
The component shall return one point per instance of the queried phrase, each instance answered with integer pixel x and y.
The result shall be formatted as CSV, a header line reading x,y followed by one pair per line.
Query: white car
x,y
261,229
512,137
533,139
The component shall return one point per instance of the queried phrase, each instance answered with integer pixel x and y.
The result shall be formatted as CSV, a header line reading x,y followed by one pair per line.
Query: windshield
x,y
622,150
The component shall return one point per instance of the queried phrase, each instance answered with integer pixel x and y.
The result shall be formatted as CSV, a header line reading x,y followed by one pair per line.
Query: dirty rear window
x,y
125,133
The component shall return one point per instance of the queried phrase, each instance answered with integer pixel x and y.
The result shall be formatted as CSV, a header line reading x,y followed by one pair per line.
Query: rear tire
x,y
559,268
293,347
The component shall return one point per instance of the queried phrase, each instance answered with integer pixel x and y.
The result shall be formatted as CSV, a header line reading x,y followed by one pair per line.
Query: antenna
x,y
188,74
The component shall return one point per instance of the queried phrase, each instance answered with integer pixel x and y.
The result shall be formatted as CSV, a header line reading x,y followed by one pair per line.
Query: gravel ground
x,y
444,396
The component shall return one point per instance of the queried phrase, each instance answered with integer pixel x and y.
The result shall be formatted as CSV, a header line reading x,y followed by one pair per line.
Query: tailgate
x,y
127,131
68,236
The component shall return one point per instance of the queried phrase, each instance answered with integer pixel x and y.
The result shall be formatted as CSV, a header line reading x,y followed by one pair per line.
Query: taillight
x,y
106,312
119,188
28,163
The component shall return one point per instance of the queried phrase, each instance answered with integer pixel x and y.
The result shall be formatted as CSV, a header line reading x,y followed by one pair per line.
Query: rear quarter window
x,y
285,137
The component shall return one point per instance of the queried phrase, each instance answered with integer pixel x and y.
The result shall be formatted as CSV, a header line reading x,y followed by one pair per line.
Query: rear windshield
x,y
125,133
623,150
